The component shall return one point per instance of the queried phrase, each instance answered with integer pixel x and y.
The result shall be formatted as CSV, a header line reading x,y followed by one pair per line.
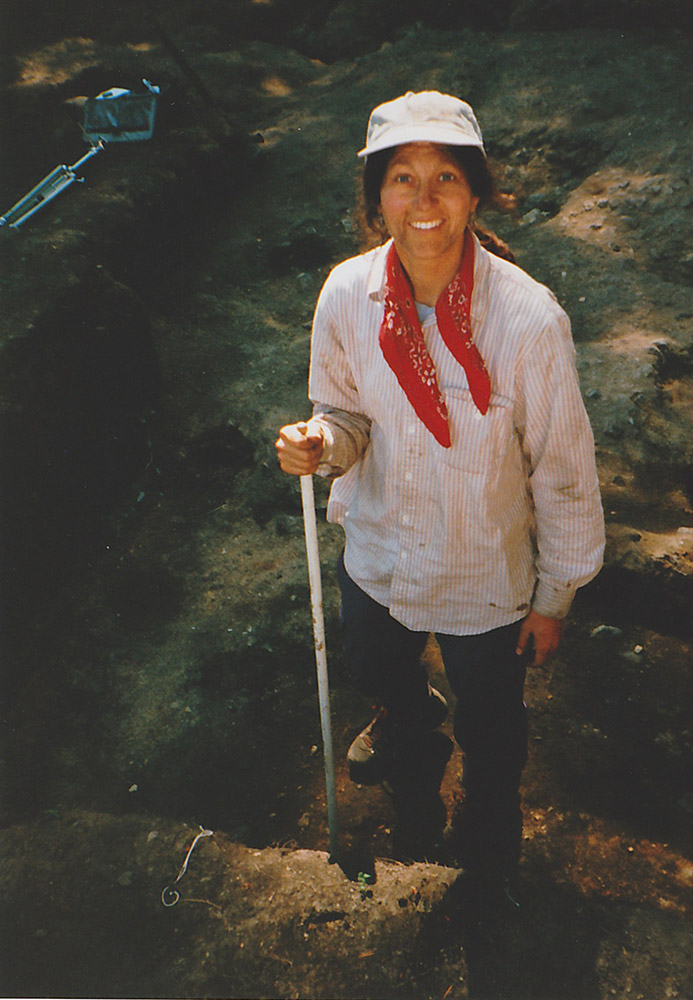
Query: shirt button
x,y
406,519
408,477
412,428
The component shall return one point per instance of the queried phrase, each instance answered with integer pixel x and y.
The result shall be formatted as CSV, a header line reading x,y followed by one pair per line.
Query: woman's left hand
x,y
544,634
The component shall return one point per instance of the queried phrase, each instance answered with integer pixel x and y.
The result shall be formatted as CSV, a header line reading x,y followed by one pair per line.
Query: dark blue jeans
x,y
490,721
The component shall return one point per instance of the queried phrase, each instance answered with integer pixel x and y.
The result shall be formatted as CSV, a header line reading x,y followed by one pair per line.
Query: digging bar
x,y
312,553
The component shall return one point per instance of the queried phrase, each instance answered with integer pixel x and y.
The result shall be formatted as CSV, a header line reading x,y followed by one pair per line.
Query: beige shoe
x,y
373,751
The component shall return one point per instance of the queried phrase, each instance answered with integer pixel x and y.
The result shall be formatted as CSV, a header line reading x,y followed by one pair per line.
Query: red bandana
x,y
402,341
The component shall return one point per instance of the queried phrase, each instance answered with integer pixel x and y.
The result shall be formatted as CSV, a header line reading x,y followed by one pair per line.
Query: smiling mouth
x,y
433,224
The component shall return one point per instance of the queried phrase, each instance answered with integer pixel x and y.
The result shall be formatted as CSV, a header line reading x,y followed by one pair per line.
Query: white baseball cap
x,y
424,117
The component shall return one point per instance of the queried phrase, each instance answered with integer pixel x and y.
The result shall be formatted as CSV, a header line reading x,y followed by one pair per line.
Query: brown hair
x,y
478,173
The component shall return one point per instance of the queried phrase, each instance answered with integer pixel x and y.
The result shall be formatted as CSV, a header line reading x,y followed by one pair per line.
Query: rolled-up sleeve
x,y
333,391
558,445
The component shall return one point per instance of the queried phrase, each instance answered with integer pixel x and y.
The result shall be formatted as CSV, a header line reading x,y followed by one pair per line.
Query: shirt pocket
x,y
480,441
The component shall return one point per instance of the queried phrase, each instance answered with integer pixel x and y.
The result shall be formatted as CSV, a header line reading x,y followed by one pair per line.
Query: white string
x,y
169,895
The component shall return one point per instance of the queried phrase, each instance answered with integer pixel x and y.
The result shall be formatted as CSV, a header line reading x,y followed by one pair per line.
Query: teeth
x,y
427,225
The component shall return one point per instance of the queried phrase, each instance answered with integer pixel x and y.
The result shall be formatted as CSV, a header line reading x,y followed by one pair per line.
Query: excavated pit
x,y
158,667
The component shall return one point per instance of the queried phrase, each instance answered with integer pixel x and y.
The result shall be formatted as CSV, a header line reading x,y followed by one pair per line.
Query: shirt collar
x,y
375,287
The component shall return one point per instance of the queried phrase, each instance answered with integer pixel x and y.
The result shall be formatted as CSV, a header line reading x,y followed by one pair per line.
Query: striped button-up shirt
x,y
464,539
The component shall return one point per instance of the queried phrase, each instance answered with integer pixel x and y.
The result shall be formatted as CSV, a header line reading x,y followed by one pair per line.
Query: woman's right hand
x,y
299,448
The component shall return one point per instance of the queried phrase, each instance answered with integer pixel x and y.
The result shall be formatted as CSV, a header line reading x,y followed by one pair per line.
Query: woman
x,y
447,407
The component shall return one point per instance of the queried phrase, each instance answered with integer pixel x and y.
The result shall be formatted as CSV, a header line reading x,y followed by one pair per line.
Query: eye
x,y
401,178
447,176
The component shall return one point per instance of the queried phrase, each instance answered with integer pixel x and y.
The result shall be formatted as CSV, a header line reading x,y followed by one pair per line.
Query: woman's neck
x,y
429,287
429,279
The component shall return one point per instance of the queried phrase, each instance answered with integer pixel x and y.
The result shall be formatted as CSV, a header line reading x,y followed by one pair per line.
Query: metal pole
x,y
320,654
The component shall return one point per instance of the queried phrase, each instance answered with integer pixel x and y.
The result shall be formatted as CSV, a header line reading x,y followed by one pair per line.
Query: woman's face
x,y
426,202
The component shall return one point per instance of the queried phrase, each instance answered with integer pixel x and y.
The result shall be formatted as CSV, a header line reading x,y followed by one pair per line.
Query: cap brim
x,y
401,135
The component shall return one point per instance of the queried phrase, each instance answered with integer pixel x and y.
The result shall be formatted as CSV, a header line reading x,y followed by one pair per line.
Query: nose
x,y
425,194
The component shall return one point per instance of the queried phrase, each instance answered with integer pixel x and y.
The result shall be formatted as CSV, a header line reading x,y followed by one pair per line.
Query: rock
x,y
548,203
606,632
536,215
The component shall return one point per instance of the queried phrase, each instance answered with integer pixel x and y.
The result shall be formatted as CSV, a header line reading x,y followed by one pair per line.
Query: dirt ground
x,y
158,673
